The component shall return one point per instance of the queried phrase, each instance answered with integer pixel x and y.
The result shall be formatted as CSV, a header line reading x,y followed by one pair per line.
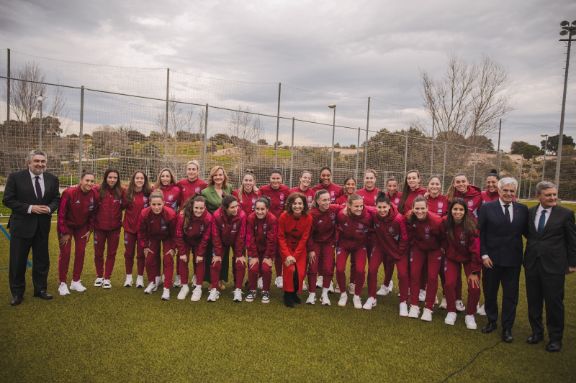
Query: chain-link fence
x,y
145,119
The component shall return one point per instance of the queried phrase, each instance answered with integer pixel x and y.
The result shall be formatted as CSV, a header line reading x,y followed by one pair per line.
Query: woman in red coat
x,y
107,225
157,228
228,233
135,200
411,190
261,236
193,230
293,232
462,247
247,193
426,233
354,225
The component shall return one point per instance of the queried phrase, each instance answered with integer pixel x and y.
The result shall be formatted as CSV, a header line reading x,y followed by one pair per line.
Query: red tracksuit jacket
x,y
248,200
190,189
277,197
323,226
229,231
473,198
171,196
261,235
334,190
410,199
76,210
108,210
310,193
463,248
353,231
133,211
369,196
489,197
438,205
197,231
391,233
396,198
428,234
158,227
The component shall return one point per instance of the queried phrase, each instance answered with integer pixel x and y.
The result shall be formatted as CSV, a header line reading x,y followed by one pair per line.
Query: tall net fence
x,y
146,119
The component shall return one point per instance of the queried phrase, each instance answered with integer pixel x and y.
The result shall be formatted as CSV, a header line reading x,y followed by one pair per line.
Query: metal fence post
x,y
8,85
406,155
205,142
292,154
444,165
474,169
357,155
81,135
520,177
366,140
166,115
277,126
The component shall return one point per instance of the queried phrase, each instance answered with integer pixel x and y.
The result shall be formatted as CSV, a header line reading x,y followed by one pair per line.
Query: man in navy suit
x,y
550,254
32,195
502,224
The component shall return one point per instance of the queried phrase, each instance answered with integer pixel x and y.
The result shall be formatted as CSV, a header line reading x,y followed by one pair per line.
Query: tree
x,y
135,136
480,142
527,150
25,94
553,143
469,100
179,118
262,141
244,125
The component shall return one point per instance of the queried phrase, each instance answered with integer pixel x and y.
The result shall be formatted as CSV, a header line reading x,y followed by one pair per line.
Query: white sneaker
x,y
311,299
279,282
382,291
370,303
165,294
450,318
177,281
106,284
460,305
422,295
140,282
98,282
443,304
214,295
320,281
128,281
357,302
196,293
150,288
414,312
331,287
391,286
343,299
250,296
158,281
426,315
63,289
351,288
403,309
265,297
480,310
260,283
325,299
470,322
183,292
337,289
194,280
77,286
237,295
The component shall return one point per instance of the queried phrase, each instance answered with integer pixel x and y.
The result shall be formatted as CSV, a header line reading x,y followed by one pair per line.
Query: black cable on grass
x,y
470,362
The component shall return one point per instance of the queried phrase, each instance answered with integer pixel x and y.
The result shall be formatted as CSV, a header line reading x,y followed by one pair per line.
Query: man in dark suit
x,y
32,195
502,224
550,254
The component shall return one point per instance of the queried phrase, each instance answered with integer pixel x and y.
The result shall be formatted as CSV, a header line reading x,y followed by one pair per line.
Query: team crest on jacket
x,y
440,205
427,232
391,230
197,190
163,225
470,203
234,228
91,205
170,197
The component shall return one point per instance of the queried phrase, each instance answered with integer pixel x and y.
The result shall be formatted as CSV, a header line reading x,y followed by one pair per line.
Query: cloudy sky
x,y
234,53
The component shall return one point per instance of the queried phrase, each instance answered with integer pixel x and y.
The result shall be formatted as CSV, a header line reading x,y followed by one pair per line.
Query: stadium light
x,y
569,30
333,107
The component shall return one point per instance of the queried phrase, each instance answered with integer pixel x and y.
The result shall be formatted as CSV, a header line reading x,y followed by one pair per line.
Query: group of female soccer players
x,y
174,226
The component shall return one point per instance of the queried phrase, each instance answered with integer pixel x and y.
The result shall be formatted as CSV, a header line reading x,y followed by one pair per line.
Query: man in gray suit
x,y
550,254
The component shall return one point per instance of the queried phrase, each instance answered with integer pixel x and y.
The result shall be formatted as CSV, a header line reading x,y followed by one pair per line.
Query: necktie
x,y
542,221
38,188
507,213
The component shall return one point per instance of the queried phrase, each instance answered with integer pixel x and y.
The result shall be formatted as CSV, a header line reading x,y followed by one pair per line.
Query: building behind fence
x,y
147,119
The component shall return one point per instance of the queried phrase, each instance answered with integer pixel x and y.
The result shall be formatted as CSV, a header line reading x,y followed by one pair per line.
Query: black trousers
x,y
19,250
509,278
545,288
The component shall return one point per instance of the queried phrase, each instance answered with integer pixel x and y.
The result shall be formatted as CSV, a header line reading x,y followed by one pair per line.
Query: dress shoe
x,y
16,300
507,336
534,339
288,300
490,326
296,298
42,294
554,346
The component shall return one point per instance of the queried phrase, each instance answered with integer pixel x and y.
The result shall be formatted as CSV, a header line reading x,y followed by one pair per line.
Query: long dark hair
x,y
188,208
468,224
117,189
406,189
146,189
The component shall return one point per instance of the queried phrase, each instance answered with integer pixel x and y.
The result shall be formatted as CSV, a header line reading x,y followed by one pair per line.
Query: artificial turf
x,y
123,335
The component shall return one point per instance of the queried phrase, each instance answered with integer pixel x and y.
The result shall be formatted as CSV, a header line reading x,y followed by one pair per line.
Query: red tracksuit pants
x,y
153,259
101,237
278,262
79,252
322,263
378,257
458,282
259,269
452,271
419,259
359,255
198,265
131,247
238,268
